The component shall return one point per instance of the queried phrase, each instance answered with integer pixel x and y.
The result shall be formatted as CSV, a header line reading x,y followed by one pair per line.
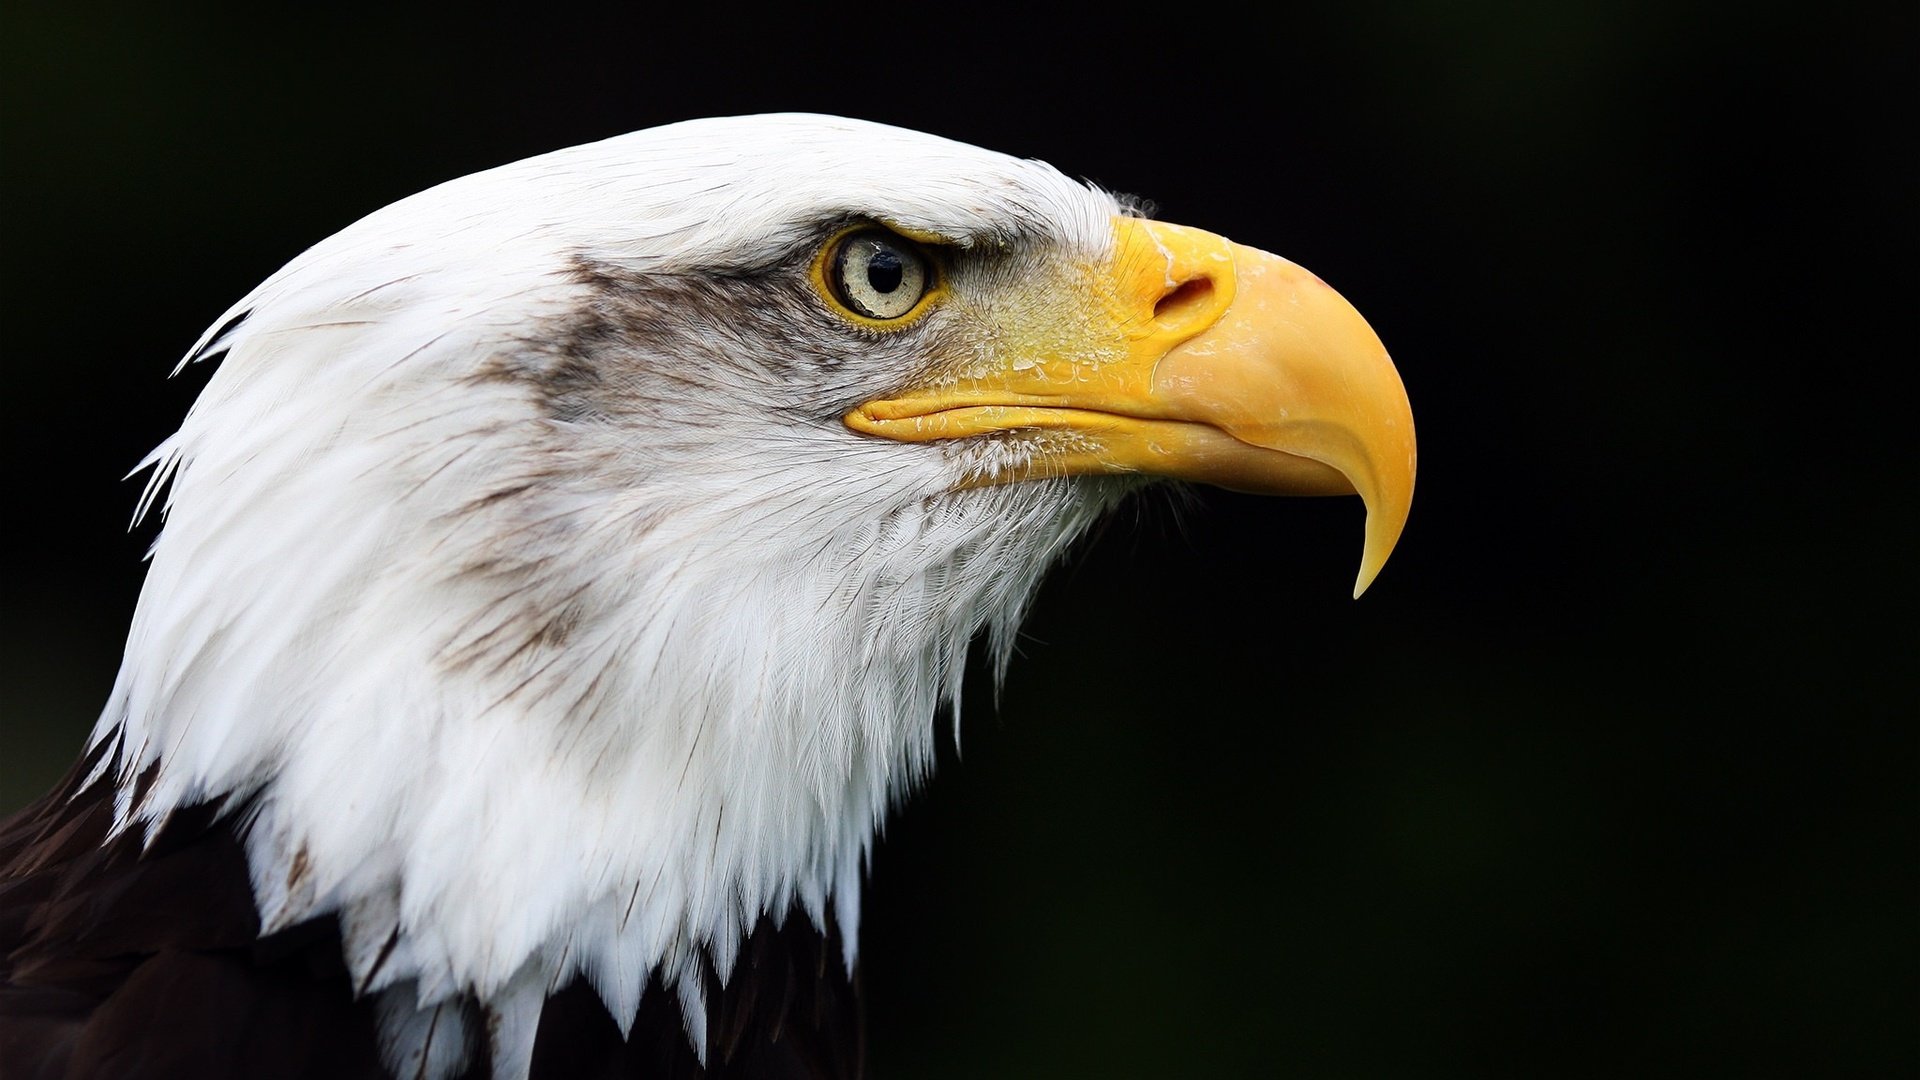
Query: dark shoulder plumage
x,y
121,962
144,962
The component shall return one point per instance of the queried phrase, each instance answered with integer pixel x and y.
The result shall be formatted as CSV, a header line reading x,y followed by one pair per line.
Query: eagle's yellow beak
x,y
1209,361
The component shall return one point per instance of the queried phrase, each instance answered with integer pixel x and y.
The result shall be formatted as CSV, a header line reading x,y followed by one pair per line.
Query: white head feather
x,y
538,605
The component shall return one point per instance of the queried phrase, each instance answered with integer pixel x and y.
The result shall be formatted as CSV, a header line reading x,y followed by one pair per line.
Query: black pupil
x,y
884,270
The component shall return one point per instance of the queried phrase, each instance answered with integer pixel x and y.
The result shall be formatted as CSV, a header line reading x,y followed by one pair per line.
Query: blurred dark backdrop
x,y
1612,772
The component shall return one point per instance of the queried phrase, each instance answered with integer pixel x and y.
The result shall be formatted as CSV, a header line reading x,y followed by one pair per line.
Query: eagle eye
x,y
878,274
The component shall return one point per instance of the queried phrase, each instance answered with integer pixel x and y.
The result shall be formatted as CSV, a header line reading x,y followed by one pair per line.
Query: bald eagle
x,y
561,574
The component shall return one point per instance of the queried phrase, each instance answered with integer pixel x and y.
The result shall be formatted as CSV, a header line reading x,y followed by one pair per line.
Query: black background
x,y
1612,772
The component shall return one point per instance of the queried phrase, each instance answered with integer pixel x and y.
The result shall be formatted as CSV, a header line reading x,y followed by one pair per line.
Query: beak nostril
x,y
1184,302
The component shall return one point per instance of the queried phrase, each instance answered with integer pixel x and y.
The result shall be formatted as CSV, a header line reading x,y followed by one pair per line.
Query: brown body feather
x,y
134,961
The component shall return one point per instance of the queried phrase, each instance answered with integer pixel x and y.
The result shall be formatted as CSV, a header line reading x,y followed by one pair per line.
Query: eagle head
x,y
563,567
